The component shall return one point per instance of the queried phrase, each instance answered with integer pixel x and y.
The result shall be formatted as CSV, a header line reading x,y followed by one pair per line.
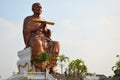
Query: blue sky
x,y
86,29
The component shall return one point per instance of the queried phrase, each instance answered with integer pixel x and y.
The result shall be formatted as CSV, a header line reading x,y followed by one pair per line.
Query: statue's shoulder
x,y
28,18
42,19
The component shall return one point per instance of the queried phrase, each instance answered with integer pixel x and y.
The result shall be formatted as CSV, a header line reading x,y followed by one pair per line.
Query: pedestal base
x,y
24,64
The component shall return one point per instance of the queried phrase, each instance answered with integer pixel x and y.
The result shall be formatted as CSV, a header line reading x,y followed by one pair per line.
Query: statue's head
x,y
37,8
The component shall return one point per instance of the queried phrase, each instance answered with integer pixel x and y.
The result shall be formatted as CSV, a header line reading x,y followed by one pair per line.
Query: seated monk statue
x,y
38,36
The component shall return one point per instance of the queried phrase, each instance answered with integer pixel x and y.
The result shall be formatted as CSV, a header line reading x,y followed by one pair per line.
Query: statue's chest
x,y
34,24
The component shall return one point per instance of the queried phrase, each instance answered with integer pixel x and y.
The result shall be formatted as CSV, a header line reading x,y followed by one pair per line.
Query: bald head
x,y
37,8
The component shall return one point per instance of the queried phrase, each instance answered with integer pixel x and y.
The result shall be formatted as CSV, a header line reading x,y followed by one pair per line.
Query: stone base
x,y
24,63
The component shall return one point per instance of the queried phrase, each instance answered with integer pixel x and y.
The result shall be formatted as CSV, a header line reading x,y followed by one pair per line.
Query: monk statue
x,y
38,36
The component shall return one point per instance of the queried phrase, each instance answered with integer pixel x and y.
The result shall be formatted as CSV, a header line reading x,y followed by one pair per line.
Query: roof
x,y
102,76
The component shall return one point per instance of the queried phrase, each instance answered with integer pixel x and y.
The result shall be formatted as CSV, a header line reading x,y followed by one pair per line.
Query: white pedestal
x,y
24,64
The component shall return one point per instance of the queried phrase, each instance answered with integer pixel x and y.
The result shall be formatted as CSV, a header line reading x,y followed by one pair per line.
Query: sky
x,y
86,29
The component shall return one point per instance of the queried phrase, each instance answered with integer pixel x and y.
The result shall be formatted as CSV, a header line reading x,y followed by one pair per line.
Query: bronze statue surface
x,y
38,36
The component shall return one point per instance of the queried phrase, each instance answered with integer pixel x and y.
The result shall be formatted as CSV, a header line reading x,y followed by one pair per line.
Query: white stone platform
x,y
32,76
24,63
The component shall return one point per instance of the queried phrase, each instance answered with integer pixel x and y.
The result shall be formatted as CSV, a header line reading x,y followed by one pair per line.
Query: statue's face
x,y
37,8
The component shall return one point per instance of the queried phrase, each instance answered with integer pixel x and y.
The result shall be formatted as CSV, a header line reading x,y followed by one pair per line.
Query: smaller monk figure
x,y
38,36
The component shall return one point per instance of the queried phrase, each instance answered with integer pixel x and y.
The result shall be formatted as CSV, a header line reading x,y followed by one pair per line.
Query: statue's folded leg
x,y
54,51
36,46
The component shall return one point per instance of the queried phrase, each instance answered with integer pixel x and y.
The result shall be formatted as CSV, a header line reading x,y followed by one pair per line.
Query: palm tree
x,y
116,69
62,58
77,68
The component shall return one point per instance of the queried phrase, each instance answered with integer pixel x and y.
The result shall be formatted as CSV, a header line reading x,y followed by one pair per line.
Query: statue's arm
x,y
29,27
26,31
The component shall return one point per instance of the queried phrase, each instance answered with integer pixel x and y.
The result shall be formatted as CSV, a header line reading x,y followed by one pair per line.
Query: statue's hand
x,y
43,24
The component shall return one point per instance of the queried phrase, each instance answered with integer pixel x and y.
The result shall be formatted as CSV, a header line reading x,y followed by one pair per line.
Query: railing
x,y
15,77
50,77
33,76
39,75
34,73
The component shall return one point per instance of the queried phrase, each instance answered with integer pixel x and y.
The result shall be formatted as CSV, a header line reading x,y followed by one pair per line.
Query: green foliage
x,y
116,68
77,68
62,58
101,79
114,78
41,57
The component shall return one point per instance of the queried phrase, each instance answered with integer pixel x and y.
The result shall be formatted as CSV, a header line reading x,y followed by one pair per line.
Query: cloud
x,y
96,43
111,26
11,42
8,30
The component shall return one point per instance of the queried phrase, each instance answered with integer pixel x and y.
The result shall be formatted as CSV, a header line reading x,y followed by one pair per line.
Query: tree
x,y
62,58
116,69
77,69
